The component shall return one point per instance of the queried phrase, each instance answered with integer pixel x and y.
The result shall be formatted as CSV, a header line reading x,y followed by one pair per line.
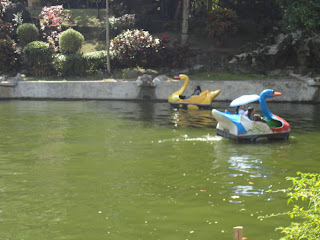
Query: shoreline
x,y
293,90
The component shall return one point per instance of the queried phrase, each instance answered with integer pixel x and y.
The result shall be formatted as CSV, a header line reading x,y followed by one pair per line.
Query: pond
x,y
137,170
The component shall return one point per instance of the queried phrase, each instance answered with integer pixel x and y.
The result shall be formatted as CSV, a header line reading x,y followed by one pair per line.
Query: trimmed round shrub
x,y
38,58
9,57
70,41
27,32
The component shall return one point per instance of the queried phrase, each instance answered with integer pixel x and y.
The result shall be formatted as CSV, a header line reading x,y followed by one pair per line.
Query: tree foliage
x,y
301,14
305,189
221,23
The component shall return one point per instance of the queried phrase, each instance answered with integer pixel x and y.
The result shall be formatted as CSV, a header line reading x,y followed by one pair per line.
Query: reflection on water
x,y
192,118
245,164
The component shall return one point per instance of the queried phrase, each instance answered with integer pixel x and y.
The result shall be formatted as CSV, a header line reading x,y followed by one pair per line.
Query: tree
x,y
185,19
108,36
301,14
305,190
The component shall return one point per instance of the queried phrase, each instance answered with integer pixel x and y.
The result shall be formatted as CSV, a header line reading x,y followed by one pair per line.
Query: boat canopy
x,y
245,99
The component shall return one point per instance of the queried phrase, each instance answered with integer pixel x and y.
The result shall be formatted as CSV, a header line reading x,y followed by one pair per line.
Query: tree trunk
x,y
209,5
108,37
185,18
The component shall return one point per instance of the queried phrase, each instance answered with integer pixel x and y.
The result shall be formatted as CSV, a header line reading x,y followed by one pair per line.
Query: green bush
x,y
70,41
27,33
70,64
81,64
221,23
9,58
305,192
174,55
96,61
38,58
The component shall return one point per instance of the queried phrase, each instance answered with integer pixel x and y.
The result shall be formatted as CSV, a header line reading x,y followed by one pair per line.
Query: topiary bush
x,y
70,41
38,58
27,32
9,58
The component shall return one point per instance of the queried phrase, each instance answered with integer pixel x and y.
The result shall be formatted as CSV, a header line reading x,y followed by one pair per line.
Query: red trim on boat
x,y
285,125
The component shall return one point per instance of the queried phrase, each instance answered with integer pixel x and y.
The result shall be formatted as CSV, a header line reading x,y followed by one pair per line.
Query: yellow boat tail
x,y
201,101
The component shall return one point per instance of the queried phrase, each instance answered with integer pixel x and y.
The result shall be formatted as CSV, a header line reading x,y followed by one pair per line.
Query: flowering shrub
x,y
51,24
6,30
117,25
126,21
135,48
3,6
17,19
9,57
221,23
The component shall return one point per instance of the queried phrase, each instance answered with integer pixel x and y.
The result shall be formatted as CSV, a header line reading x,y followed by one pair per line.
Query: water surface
x,y
126,170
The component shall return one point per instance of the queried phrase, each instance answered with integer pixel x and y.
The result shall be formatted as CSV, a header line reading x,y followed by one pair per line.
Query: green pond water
x,y
96,170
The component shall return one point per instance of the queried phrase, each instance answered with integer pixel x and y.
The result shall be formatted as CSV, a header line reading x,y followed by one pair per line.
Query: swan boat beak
x,y
277,94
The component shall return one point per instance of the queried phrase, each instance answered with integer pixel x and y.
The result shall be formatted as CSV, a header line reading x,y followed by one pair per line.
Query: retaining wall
x,y
292,90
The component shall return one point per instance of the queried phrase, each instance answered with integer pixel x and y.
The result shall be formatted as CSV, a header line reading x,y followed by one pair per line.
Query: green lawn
x,y
227,76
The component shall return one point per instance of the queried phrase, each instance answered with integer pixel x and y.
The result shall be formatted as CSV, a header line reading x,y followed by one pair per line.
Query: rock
x,y
144,80
287,51
157,80
3,78
11,82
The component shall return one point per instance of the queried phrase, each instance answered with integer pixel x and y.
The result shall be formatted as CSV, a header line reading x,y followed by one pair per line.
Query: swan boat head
x,y
267,93
174,97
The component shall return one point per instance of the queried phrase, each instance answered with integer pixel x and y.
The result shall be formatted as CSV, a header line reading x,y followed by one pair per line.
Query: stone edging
x,y
158,89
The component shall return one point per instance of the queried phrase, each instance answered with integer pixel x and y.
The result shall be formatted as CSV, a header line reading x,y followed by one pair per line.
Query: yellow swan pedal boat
x,y
201,101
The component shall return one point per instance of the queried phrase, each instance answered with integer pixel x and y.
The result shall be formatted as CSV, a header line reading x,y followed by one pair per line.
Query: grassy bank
x,y
229,76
